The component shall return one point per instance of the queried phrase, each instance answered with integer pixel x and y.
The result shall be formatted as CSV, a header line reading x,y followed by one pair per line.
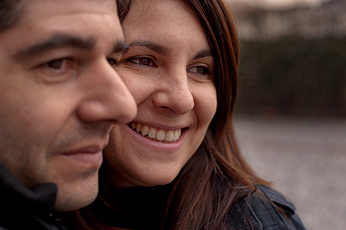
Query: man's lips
x,y
89,155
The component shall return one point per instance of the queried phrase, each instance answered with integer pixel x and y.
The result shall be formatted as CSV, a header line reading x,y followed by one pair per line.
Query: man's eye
x,y
57,64
58,69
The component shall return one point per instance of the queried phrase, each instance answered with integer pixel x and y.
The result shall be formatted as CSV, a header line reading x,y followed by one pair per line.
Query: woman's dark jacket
x,y
257,211
22,208
260,211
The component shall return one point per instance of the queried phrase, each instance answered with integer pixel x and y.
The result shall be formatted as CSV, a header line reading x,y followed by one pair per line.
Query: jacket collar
x,y
39,200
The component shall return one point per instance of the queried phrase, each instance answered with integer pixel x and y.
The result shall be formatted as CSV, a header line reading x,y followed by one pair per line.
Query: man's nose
x,y
108,99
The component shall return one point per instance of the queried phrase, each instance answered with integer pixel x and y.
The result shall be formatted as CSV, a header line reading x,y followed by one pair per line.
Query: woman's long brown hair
x,y
198,198
196,193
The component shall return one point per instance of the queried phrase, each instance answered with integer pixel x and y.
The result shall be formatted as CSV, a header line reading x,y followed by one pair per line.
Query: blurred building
x,y
327,19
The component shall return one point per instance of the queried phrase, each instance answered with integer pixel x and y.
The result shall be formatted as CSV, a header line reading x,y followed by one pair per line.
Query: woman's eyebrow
x,y
162,50
203,53
150,45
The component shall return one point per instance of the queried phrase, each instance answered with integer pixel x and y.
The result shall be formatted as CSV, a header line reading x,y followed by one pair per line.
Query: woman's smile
x,y
168,136
146,140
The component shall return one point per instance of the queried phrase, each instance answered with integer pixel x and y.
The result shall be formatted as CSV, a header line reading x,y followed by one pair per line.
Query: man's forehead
x,y
43,18
31,8
81,27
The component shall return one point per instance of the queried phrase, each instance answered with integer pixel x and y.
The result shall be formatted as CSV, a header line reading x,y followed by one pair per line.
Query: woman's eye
x,y
144,61
203,70
112,62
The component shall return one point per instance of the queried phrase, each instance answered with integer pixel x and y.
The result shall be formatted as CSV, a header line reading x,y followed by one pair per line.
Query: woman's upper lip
x,y
159,126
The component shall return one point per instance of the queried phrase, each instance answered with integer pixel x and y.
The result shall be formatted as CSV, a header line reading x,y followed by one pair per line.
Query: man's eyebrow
x,y
150,45
120,47
57,41
203,53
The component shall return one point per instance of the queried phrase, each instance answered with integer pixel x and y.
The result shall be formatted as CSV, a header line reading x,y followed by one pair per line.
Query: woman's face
x,y
169,70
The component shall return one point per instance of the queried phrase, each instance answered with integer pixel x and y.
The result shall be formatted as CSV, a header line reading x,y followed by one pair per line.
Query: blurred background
x,y
290,116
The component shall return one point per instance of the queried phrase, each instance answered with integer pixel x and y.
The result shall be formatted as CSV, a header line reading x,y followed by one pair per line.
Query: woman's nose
x,y
174,95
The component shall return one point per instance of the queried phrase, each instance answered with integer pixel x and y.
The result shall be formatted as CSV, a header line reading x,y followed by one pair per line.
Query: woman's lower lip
x,y
156,145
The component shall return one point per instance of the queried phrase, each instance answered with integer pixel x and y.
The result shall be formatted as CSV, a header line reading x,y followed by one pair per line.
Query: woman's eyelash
x,y
112,61
143,61
146,61
200,70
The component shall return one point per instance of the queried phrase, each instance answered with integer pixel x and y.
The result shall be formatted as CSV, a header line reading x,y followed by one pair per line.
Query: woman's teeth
x,y
158,135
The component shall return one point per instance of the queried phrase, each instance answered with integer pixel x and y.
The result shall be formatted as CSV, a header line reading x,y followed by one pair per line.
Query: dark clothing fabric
x,y
136,208
258,212
22,208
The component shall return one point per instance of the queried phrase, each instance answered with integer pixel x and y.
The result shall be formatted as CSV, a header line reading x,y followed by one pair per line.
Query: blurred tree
x,y
293,77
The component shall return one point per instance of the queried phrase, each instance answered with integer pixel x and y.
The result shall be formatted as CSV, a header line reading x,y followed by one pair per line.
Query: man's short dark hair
x,y
9,13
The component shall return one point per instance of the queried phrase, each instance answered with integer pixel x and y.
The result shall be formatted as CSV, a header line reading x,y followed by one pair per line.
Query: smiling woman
x,y
177,165
170,74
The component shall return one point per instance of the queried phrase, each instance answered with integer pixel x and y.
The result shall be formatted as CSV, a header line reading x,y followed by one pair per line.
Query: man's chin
x,y
70,198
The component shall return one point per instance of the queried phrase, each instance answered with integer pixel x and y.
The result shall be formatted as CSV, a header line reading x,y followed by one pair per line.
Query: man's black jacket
x,y
22,208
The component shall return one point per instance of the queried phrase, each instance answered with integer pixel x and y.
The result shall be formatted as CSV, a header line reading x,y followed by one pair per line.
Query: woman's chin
x,y
157,180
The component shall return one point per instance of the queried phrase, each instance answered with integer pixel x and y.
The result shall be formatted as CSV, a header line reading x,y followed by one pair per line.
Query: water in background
x,y
291,111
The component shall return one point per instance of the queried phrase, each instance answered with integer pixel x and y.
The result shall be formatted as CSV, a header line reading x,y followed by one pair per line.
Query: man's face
x,y
60,95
